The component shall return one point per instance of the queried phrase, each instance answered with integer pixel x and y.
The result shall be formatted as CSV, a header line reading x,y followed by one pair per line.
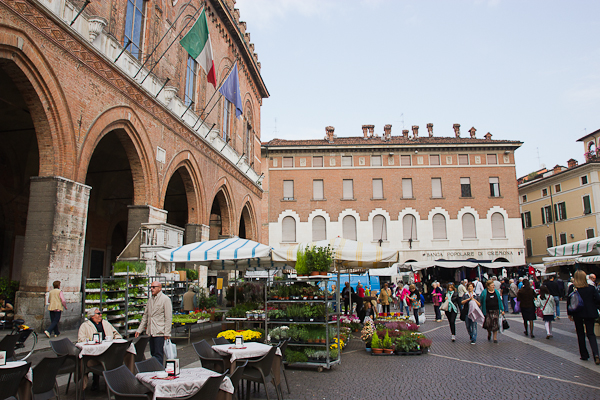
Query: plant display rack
x,y
297,303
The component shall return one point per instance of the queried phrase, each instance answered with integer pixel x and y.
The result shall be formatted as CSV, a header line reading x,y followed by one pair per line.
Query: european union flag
x,y
231,90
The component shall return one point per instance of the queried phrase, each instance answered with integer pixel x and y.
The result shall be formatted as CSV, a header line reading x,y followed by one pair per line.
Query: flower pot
x,y
314,273
388,351
323,273
377,351
425,350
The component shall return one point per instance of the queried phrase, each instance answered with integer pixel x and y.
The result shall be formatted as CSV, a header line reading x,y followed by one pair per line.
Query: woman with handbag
x,y
492,307
414,298
585,315
450,307
436,297
545,309
525,297
466,300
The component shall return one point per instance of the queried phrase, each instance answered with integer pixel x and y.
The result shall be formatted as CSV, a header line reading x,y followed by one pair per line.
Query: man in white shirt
x,y
478,286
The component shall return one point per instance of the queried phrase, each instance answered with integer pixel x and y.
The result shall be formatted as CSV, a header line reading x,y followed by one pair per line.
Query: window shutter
x,y
468,224
317,161
498,225
492,159
409,227
543,216
563,209
549,241
378,188
465,181
436,187
288,190
288,227
376,161
346,161
439,226
349,227
348,189
407,188
590,233
529,247
379,228
318,229
405,160
434,160
463,159
563,238
318,189
288,162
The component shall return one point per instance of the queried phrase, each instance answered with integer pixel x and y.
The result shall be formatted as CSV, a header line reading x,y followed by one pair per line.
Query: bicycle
x,y
27,339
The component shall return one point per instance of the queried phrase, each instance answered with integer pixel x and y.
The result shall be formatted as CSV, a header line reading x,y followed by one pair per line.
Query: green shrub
x,y
9,288
134,266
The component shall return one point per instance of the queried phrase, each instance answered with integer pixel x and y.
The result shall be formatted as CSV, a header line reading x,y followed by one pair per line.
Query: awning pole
x,y
235,285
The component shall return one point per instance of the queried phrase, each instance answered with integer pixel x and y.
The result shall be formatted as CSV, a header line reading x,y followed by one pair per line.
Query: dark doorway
x,y
96,263
176,203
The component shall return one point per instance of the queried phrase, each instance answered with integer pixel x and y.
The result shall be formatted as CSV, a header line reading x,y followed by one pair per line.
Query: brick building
x,y
432,198
104,136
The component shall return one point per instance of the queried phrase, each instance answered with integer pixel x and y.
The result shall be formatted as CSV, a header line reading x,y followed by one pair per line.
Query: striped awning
x,y
576,248
589,260
558,261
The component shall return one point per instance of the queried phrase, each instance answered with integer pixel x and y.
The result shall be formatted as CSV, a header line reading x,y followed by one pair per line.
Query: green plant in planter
x,y
376,342
387,342
406,342
134,266
293,357
318,258
333,354
301,266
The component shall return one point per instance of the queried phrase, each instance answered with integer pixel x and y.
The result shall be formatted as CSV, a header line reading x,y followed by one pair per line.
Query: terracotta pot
x,y
377,351
324,273
388,351
314,273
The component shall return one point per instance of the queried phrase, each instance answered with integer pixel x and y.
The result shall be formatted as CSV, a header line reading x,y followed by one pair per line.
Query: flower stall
x,y
397,337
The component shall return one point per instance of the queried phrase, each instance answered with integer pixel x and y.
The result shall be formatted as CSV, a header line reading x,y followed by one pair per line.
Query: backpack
x,y
575,302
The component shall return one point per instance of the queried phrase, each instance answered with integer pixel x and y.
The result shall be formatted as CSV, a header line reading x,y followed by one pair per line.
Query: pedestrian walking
x,y
478,286
492,307
554,291
415,301
545,302
436,297
512,295
525,296
346,296
467,298
384,298
405,300
56,305
585,315
452,311
157,320
504,290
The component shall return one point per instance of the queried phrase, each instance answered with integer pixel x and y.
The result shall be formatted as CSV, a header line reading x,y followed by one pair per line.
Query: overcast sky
x,y
522,70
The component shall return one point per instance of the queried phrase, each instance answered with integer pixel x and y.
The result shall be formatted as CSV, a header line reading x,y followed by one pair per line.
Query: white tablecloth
x,y
97,349
253,349
15,364
189,381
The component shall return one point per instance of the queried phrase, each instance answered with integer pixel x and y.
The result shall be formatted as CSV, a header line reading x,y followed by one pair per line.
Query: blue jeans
x,y
54,318
157,344
557,303
471,329
505,302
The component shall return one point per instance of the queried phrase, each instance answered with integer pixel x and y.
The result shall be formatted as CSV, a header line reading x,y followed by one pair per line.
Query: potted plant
x,y
301,267
376,344
387,344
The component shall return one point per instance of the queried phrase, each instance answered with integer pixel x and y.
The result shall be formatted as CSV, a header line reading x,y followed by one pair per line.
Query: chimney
x,y
405,133
557,168
415,129
456,128
472,132
365,134
371,130
387,132
572,163
430,129
329,130
488,136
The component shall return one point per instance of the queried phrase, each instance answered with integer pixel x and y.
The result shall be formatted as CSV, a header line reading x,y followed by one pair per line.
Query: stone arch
x,y
222,205
134,138
248,215
192,180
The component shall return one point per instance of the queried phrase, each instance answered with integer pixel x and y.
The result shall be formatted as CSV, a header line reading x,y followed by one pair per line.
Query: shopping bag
x,y
445,305
170,349
575,302
504,324
517,306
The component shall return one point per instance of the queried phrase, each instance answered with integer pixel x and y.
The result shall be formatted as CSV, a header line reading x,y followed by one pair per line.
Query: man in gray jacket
x,y
157,321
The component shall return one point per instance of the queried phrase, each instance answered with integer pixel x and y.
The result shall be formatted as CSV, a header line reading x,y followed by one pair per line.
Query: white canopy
x,y
350,252
223,254
558,261
419,265
389,271
575,248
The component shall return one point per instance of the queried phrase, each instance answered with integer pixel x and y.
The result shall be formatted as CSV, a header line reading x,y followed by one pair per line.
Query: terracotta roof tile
x,y
394,140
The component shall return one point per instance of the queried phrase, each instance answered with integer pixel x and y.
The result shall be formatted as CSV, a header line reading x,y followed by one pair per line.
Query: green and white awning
x,y
589,260
575,248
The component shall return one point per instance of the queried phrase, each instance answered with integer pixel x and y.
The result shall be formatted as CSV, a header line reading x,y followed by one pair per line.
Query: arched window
x,y
498,226
318,229
409,227
439,226
379,228
288,229
468,225
349,227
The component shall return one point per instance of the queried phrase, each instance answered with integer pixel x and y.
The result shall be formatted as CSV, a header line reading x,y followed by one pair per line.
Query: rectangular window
x,y
376,161
557,188
584,180
589,233
549,242
463,159
465,187
318,190
346,161
378,188
546,215
523,220
190,81
563,238
560,211
288,190
407,192
134,20
348,189
587,205
527,215
524,198
492,159
226,117
288,162
494,187
529,247
434,159
436,187
405,161
544,192
317,161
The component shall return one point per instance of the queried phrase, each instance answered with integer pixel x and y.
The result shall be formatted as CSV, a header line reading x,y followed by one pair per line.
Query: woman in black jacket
x,y
585,315
452,297
525,296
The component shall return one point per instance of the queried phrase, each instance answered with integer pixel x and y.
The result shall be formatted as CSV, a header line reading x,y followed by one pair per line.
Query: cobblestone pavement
x,y
515,368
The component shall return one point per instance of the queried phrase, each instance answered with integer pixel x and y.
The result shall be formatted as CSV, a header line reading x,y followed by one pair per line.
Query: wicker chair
x,y
10,378
210,359
236,377
282,347
44,386
111,359
64,347
124,385
209,390
8,345
140,347
149,365
260,371
220,340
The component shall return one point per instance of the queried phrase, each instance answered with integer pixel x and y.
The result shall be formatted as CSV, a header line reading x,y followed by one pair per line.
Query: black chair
x,y
111,359
10,378
44,386
260,371
210,359
236,377
8,344
64,347
149,365
140,347
124,385
220,340
282,347
209,390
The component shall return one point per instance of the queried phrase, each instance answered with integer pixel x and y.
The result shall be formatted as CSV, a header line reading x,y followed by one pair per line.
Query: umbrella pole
x,y
235,285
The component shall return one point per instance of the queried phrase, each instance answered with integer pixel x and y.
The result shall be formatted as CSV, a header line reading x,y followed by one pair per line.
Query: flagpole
x,y
165,52
211,97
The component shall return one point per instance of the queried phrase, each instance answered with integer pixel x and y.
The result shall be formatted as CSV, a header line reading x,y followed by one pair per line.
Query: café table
x,y
249,350
188,382
95,349
26,382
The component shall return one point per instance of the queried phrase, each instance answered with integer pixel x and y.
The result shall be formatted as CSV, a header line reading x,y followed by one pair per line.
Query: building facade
x,y
110,126
561,205
432,198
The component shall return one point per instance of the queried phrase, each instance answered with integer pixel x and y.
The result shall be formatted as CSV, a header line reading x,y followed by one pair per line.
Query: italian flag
x,y
197,43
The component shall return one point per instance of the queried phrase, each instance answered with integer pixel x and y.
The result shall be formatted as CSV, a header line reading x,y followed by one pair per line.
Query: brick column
x,y
54,247
137,215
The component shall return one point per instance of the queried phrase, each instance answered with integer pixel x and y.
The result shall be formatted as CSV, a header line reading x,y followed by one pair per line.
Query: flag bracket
x,y
124,48
188,107
80,11
162,87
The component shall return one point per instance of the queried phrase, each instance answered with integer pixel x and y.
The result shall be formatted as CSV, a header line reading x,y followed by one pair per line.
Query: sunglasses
x,y
98,313
154,287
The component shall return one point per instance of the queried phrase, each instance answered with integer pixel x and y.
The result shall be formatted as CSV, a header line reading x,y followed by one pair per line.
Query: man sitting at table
x,y
95,324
